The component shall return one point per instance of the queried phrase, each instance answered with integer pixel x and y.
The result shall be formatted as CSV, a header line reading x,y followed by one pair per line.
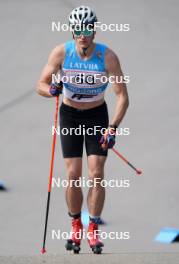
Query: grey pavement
x,y
149,55
122,258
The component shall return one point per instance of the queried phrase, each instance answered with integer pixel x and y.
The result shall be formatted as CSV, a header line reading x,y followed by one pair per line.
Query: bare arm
x,y
53,65
113,67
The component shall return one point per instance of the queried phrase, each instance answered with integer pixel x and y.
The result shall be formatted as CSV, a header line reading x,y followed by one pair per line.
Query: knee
x,y
96,174
73,174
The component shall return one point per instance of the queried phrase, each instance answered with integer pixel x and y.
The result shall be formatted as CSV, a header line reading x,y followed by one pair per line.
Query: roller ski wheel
x,y
73,244
70,245
97,249
76,248
93,239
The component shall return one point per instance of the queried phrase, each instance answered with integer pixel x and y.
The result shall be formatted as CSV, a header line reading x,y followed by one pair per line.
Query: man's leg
x,y
74,196
74,199
96,194
72,148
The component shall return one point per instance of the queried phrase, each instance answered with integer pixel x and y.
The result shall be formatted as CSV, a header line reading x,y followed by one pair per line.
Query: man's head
x,y
82,20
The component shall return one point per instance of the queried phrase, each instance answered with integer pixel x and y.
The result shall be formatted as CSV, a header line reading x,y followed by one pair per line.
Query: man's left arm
x,y
114,69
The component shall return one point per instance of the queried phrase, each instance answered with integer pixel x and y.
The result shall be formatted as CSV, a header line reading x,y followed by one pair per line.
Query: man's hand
x,y
56,88
107,141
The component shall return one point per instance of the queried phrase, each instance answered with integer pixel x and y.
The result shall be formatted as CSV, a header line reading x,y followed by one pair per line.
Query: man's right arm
x,y
53,65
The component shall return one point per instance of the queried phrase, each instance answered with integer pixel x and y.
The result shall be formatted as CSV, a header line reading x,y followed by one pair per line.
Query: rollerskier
x,y
81,61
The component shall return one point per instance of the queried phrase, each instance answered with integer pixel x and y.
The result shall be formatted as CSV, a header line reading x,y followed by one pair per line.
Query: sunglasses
x,y
87,32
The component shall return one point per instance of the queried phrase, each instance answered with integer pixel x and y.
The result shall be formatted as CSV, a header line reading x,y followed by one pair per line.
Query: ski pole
x,y
126,161
43,250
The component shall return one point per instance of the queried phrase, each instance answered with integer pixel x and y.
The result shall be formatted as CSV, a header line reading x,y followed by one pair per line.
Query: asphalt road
x,y
149,55
122,258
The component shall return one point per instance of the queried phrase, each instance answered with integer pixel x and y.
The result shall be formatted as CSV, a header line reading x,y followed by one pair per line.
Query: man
x,y
81,61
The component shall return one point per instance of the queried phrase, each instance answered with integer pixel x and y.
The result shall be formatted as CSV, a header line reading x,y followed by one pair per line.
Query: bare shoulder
x,y
59,49
111,60
57,55
110,55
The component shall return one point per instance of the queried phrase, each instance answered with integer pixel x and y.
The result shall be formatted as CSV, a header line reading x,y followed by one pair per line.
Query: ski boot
x,y
93,238
75,237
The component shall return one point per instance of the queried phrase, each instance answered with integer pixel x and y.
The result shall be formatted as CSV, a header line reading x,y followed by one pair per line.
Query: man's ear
x,y
73,35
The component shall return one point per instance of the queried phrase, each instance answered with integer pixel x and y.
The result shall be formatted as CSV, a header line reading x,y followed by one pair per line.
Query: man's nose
x,y
82,36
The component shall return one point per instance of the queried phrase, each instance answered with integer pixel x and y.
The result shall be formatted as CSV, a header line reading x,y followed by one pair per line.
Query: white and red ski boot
x,y
93,238
76,235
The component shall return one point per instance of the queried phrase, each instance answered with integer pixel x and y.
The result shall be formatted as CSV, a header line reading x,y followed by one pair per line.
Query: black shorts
x,y
82,126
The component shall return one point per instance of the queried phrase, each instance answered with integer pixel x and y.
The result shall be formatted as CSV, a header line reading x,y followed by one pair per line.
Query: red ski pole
x,y
43,250
126,161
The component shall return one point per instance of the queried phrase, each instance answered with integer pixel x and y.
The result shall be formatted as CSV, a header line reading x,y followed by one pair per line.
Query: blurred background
x,y
149,55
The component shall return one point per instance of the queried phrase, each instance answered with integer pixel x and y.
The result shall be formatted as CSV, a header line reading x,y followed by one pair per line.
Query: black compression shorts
x,y
82,126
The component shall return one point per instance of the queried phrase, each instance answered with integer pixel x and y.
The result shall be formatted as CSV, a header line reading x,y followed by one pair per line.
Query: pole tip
x,y
138,172
43,251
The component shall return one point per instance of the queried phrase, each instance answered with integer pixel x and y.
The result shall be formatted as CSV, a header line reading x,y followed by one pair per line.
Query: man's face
x,y
84,36
83,41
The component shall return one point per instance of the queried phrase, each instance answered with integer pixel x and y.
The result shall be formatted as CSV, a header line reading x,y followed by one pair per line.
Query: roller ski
x,y
93,238
75,238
